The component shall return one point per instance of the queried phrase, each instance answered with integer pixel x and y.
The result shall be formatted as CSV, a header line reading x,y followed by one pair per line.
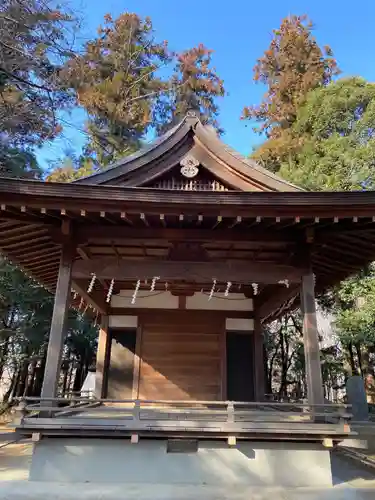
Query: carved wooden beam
x,y
234,271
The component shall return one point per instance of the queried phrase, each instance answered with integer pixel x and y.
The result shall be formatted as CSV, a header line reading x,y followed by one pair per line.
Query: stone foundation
x,y
215,464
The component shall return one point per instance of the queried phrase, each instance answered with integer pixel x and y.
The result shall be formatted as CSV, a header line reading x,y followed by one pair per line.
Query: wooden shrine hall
x,y
181,252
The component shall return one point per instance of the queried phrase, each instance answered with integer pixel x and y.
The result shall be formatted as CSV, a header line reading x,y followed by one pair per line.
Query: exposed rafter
x,y
94,298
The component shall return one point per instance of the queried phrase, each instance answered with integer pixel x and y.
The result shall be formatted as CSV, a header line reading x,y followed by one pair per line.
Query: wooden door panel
x,y
181,357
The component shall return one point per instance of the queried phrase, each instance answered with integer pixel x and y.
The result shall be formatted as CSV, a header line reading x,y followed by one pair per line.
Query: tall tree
x,y
194,85
18,162
34,43
334,134
353,306
293,64
33,47
335,138
319,135
116,82
35,40
70,168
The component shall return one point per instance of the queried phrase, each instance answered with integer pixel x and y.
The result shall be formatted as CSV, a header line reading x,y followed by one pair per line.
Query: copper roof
x,y
191,136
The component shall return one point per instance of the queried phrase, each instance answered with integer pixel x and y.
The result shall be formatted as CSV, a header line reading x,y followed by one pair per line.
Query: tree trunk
x,y
359,357
40,374
267,370
299,390
8,396
3,356
70,376
66,373
368,375
29,389
24,372
65,379
284,363
351,359
78,378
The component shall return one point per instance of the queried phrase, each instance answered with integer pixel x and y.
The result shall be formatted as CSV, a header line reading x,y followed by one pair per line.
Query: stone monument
x,y
355,390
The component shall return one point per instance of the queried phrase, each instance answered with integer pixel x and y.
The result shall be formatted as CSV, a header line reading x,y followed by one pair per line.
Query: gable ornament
x,y
189,166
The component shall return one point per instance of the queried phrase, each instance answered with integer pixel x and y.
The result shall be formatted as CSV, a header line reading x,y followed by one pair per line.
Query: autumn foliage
x,y
117,80
293,65
194,85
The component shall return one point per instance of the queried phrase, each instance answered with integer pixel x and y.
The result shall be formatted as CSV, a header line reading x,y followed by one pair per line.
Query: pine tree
x,y
335,137
194,85
293,65
116,82
70,168
34,43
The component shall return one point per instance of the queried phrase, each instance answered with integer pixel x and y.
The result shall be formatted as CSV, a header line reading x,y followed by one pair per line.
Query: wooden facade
x,y
180,357
193,248
182,353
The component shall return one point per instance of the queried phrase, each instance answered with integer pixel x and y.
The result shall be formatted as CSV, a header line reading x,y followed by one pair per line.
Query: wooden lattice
x,y
190,184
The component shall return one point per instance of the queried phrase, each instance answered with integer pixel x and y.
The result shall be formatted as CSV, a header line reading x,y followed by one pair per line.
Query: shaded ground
x,y
347,472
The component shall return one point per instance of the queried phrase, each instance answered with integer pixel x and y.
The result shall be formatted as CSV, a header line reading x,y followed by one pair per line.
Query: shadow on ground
x,y
349,472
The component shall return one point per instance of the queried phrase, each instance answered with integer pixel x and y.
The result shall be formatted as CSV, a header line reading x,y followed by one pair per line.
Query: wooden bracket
x,y
36,437
328,443
134,439
232,440
66,227
310,235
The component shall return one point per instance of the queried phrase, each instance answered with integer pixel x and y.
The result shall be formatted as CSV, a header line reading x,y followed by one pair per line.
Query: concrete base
x,y
214,464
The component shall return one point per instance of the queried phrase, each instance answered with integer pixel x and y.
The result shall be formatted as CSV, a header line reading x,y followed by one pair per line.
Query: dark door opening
x,y
121,363
240,366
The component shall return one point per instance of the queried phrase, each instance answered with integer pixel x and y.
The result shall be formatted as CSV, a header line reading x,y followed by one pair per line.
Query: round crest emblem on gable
x,y
189,166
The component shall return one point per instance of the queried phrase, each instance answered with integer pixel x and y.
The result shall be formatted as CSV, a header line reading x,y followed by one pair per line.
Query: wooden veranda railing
x,y
85,416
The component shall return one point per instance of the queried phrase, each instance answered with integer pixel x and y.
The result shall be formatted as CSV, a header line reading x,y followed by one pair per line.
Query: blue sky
x,y
238,31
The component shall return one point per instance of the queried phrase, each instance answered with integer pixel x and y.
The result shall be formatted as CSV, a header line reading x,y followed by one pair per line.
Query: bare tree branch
x,y
26,82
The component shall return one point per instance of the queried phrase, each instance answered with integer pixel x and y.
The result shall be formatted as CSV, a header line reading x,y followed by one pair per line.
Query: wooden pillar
x,y
311,342
102,359
259,360
60,309
137,362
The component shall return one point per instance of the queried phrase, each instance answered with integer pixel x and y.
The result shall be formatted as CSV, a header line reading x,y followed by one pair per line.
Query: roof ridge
x,y
137,154
245,172
254,164
248,161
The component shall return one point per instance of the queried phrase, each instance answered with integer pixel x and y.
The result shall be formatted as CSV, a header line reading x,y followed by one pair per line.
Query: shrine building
x,y
182,252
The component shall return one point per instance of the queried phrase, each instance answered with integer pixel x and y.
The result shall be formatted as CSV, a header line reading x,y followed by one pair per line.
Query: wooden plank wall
x,y
181,355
